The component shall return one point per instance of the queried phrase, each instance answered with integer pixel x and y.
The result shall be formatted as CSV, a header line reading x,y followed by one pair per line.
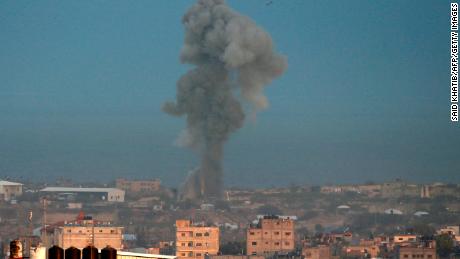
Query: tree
x,y
319,228
444,245
233,248
422,229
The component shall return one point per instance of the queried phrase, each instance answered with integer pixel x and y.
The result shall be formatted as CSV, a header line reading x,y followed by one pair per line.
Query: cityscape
x,y
395,219
229,129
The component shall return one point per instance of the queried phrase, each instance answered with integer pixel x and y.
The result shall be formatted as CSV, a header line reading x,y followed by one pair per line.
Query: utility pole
x,y
45,243
29,239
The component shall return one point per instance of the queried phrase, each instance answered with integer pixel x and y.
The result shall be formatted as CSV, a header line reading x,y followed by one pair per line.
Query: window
x,y
112,231
287,233
183,254
198,244
254,243
182,244
100,230
198,234
182,234
206,234
406,256
277,243
251,233
277,233
286,243
198,254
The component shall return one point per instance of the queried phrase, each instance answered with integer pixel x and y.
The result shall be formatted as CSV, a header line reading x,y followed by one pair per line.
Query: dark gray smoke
x,y
234,60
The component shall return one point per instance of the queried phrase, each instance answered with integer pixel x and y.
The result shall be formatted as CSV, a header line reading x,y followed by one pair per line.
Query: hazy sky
x,y
365,97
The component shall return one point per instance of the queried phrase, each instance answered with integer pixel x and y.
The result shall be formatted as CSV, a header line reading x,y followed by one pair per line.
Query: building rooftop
x,y
78,189
131,254
276,217
9,183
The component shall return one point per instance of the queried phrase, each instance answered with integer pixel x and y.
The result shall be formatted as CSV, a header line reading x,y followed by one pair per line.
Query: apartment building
x,y
271,234
195,240
85,231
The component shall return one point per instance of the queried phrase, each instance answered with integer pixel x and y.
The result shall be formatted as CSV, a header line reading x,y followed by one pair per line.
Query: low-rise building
x,y
362,251
196,240
137,186
404,238
83,194
450,230
318,252
10,190
425,250
271,234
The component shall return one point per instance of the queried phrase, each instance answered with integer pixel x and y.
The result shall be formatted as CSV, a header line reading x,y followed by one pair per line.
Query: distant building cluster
x,y
270,235
395,188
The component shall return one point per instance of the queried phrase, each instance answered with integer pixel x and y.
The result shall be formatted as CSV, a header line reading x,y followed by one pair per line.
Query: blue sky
x,y
365,97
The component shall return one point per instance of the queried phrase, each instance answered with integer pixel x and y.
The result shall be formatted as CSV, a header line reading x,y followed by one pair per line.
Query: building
x,y
10,190
195,240
85,231
236,257
425,191
136,186
271,234
84,194
131,255
318,252
404,238
450,230
427,251
362,251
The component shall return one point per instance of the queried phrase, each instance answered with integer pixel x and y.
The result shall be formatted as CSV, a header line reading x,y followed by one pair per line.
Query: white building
x,y
103,194
10,190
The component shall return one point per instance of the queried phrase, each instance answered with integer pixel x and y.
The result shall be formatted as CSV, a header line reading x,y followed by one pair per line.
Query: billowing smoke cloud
x,y
233,61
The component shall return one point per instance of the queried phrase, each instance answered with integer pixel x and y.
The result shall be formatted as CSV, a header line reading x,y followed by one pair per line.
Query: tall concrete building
x,y
195,240
271,234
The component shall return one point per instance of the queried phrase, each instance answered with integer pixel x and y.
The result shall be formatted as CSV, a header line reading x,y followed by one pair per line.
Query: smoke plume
x,y
233,60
